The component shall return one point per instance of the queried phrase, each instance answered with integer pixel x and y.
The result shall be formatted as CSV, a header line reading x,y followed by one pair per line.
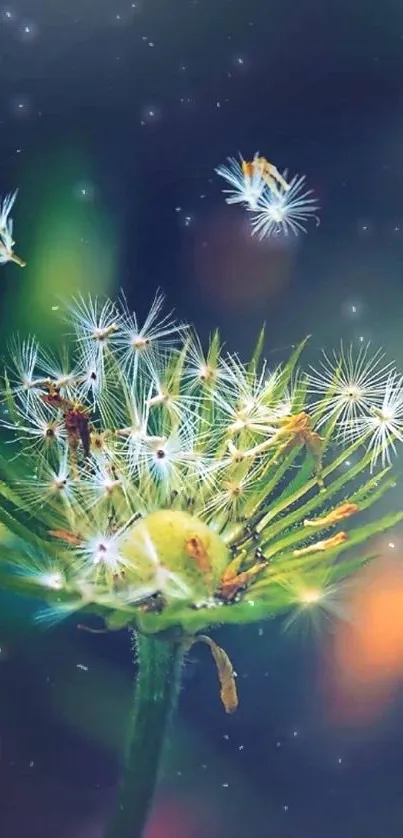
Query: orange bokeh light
x,y
365,666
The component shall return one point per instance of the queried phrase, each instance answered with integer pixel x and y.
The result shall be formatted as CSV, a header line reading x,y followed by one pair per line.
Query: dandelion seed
x,y
284,212
6,231
166,392
131,437
95,324
102,485
92,375
49,483
207,370
251,407
383,424
6,205
232,497
141,344
37,426
247,186
348,385
101,561
53,580
162,458
43,571
7,243
58,370
23,381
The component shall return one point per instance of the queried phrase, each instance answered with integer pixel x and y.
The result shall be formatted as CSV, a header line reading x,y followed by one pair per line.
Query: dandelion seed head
x,y
149,461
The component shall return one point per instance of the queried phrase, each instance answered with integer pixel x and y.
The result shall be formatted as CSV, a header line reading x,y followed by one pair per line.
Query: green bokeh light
x,y
68,239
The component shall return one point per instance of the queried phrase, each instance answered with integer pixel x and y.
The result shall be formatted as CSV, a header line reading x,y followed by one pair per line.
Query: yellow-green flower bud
x,y
177,551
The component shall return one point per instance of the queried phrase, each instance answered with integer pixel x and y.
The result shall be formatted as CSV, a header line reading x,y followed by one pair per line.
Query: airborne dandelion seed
x,y
245,188
7,253
279,206
279,212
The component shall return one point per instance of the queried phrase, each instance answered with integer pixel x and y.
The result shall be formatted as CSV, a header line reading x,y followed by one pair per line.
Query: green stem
x,y
155,695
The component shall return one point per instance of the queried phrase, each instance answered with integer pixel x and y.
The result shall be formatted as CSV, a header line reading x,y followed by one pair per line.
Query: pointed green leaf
x,y
254,362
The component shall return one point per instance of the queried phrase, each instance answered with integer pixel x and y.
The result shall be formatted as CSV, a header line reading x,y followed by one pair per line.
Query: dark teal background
x,y
114,153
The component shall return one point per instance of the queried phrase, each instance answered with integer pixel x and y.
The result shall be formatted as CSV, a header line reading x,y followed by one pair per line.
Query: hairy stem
x,y
155,696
